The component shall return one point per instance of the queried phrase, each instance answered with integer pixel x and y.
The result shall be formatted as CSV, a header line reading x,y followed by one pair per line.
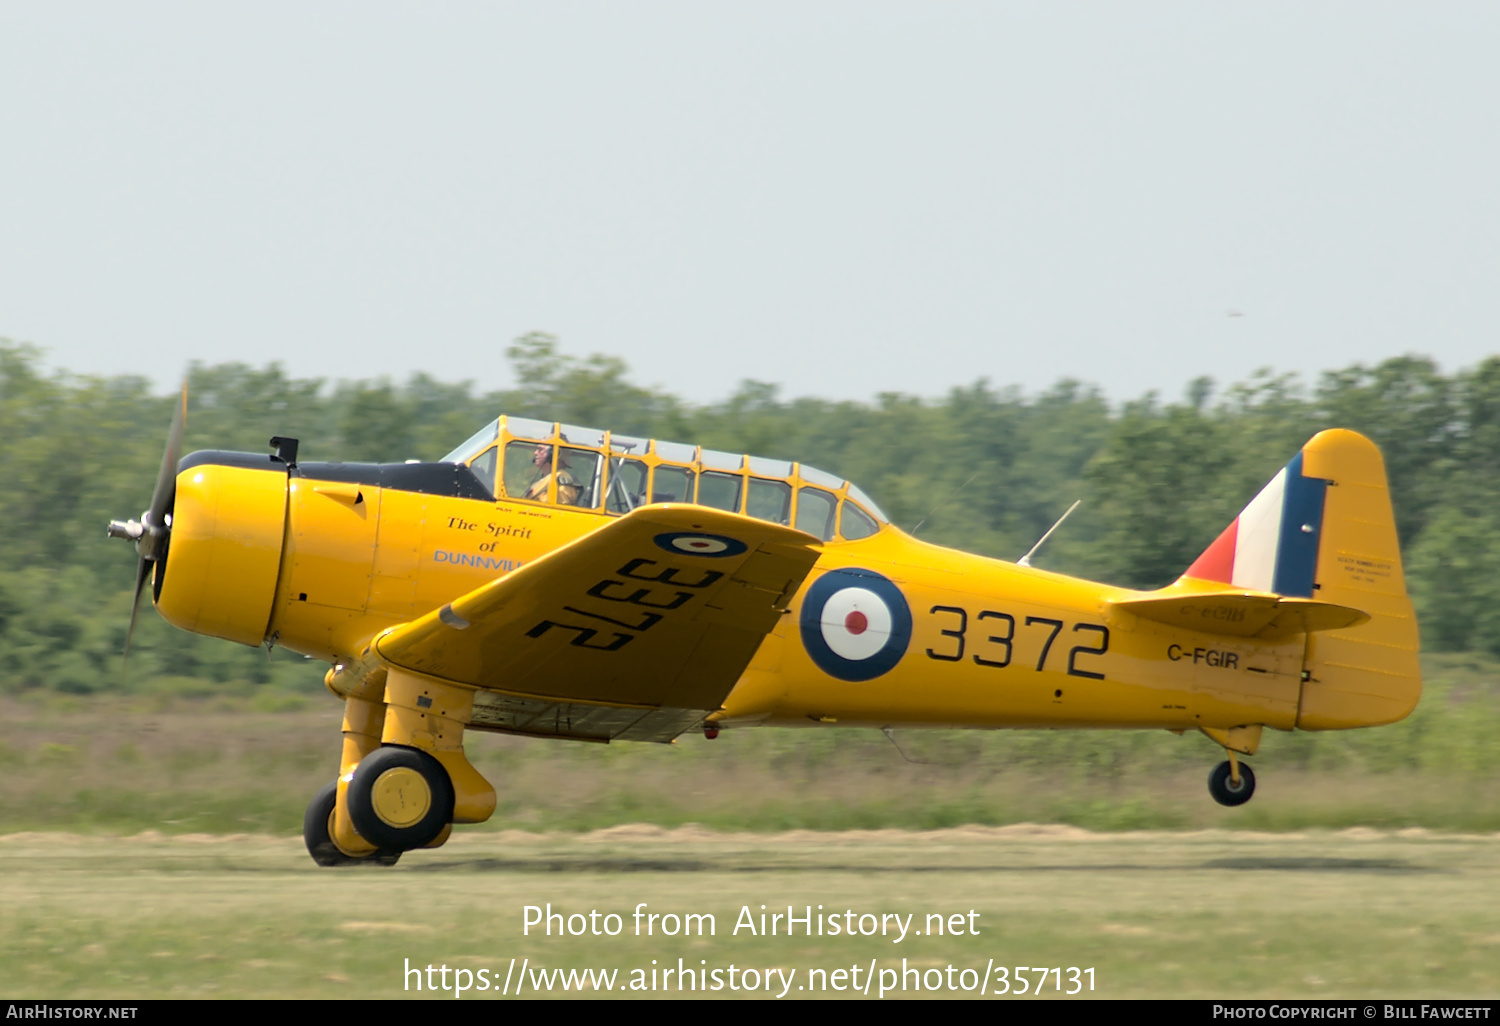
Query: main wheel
x,y
317,833
399,798
1223,788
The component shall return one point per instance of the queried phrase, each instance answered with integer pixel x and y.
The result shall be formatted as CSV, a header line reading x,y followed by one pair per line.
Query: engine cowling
x,y
224,559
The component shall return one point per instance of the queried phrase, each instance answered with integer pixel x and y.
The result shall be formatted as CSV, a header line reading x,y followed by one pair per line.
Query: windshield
x,y
475,444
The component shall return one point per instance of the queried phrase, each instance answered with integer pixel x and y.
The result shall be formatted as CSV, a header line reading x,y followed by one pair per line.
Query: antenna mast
x,y
1026,559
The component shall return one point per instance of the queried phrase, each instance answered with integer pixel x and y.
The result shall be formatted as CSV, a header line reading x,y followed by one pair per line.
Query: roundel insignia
x,y
855,624
690,543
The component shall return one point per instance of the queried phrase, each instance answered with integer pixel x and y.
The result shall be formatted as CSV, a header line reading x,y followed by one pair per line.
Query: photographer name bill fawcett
x,y
794,922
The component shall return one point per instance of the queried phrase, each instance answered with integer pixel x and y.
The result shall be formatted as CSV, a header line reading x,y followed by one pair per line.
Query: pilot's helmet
x,y
542,454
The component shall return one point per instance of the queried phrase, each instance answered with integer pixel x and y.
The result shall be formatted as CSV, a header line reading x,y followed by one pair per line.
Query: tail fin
x,y
1324,529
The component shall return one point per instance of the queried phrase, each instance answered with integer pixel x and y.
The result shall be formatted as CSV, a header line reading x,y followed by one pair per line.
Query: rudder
x,y
1324,528
1369,674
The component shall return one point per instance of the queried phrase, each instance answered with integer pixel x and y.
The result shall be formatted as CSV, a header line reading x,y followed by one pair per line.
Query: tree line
x,y
985,468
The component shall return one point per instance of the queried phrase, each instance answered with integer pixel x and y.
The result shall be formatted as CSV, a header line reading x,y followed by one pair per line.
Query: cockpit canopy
x,y
537,461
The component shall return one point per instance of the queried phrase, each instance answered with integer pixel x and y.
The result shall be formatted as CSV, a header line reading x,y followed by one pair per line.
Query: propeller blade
x,y
142,575
151,534
166,478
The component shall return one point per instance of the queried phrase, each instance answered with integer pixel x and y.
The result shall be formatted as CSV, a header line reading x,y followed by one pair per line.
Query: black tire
x,y
1223,790
405,781
317,833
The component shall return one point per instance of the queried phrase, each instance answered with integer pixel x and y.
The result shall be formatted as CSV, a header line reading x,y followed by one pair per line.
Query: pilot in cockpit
x,y
568,488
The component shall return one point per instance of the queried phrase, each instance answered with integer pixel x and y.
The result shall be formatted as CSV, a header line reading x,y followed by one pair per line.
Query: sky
x,y
845,198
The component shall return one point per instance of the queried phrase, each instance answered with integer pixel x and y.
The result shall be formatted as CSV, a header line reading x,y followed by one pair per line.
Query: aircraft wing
x,y
636,631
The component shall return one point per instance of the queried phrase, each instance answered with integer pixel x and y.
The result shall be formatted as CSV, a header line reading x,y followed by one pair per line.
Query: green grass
x,y
1353,914
120,765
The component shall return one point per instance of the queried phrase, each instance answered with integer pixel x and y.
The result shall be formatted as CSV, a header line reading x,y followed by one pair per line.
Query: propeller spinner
x,y
152,531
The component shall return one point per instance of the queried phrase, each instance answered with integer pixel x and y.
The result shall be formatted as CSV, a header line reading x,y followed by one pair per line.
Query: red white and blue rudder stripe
x,y
1273,544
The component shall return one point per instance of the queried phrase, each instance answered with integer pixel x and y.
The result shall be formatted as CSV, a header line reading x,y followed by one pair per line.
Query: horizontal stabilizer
x,y
1244,614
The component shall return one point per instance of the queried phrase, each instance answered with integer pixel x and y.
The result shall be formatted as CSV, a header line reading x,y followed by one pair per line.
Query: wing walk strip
x,y
626,633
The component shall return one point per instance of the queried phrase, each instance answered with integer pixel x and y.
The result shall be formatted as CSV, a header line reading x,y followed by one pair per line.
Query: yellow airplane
x,y
563,582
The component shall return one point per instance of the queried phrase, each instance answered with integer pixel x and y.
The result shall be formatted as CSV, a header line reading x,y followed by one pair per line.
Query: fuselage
x,y
321,558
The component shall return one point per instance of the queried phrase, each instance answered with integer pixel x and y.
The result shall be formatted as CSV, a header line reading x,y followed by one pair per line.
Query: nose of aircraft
x,y
227,533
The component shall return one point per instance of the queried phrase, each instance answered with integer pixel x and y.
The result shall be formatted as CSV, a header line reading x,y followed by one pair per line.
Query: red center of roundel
x,y
698,544
856,622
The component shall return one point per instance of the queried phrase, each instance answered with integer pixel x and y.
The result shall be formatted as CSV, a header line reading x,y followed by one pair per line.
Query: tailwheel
x,y
400,798
1222,786
317,833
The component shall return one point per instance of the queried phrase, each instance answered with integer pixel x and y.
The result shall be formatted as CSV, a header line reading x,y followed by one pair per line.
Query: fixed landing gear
x,y
1225,790
1231,782
403,777
317,833
400,798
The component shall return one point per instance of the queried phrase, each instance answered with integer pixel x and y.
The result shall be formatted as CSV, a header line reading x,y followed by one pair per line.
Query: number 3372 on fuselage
x,y
562,582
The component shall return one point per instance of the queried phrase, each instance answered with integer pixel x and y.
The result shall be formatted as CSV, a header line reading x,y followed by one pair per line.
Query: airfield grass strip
x,y
248,763
1321,914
